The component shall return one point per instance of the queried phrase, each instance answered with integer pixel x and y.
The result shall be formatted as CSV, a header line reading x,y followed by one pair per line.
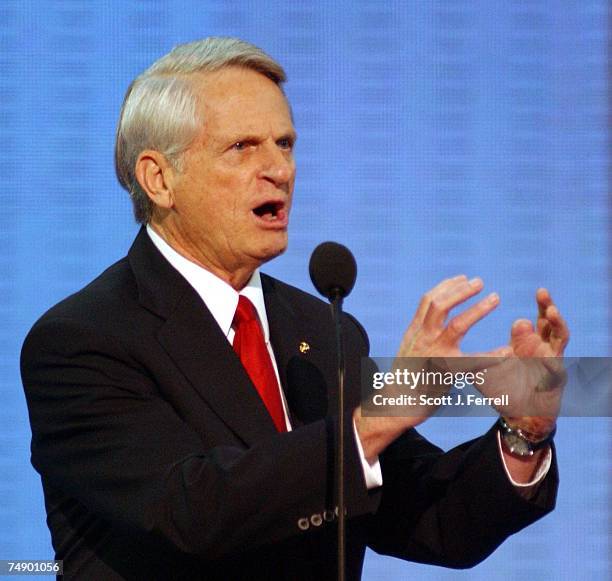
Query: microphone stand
x,y
333,271
335,297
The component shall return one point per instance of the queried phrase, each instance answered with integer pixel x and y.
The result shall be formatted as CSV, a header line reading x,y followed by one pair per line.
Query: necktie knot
x,y
245,311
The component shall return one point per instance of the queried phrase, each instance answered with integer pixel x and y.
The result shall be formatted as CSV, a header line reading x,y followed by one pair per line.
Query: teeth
x,y
269,212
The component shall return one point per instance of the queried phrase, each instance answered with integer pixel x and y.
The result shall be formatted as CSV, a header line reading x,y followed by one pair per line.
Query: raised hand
x,y
430,335
540,350
550,336
534,377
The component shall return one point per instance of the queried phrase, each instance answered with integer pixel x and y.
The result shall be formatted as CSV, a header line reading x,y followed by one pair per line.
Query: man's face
x,y
233,194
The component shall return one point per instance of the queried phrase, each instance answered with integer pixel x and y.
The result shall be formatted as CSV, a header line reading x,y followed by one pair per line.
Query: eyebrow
x,y
292,135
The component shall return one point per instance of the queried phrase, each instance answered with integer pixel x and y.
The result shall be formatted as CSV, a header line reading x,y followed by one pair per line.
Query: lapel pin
x,y
304,347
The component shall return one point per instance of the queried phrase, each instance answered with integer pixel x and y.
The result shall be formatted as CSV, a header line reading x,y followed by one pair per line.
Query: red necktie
x,y
250,346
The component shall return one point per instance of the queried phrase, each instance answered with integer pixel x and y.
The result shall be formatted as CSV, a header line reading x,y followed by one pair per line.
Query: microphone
x,y
333,271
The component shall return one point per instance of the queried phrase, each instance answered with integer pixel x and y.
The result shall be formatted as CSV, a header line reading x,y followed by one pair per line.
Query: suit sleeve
x,y
451,509
454,508
103,434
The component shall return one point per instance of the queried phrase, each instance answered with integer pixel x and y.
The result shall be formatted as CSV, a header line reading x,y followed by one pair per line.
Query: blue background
x,y
436,138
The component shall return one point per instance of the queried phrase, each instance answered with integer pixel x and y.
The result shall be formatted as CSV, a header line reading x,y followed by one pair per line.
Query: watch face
x,y
517,445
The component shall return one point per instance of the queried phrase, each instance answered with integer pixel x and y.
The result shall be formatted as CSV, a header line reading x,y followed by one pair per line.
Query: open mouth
x,y
271,211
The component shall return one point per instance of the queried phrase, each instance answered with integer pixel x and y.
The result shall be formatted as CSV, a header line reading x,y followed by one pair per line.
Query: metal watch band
x,y
516,441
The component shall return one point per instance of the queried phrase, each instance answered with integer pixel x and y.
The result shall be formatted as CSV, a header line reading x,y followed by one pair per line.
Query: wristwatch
x,y
519,442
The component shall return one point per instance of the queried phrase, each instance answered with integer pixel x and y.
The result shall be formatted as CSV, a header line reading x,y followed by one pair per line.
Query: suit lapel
x,y
193,340
283,325
301,349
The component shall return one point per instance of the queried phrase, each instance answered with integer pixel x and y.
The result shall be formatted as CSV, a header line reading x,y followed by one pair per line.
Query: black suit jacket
x,y
159,461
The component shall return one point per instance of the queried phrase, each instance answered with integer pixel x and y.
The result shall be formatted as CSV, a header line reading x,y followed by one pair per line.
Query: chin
x,y
271,251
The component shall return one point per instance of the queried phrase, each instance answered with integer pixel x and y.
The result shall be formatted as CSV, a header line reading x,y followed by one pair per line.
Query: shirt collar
x,y
219,297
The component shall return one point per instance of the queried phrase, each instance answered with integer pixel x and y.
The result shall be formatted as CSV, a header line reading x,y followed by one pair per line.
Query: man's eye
x,y
239,145
285,143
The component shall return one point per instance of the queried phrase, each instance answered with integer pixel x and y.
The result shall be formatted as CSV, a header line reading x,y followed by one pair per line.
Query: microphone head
x,y
333,270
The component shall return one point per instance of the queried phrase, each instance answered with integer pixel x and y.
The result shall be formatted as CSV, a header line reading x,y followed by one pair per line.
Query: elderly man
x,y
171,400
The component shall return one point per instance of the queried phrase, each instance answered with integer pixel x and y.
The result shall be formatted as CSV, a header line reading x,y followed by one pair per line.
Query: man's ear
x,y
155,176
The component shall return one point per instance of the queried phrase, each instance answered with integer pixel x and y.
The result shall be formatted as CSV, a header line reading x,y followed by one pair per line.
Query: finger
x,y
559,331
520,328
434,292
544,324
417,320
551,325
457,293
461,324
544,300
553,316
544,329
523,338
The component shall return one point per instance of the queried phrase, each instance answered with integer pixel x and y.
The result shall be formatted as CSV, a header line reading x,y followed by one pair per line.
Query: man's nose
x,y
277,165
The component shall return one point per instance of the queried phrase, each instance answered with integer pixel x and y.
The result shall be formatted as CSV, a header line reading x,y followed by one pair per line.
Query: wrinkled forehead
x,y
236,98
238,94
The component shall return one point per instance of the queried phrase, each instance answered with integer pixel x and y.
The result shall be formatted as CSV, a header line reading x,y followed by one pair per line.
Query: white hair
x,y
160,110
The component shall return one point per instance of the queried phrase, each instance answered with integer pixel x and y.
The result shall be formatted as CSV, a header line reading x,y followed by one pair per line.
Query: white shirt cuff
x,y
371,471
540,474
